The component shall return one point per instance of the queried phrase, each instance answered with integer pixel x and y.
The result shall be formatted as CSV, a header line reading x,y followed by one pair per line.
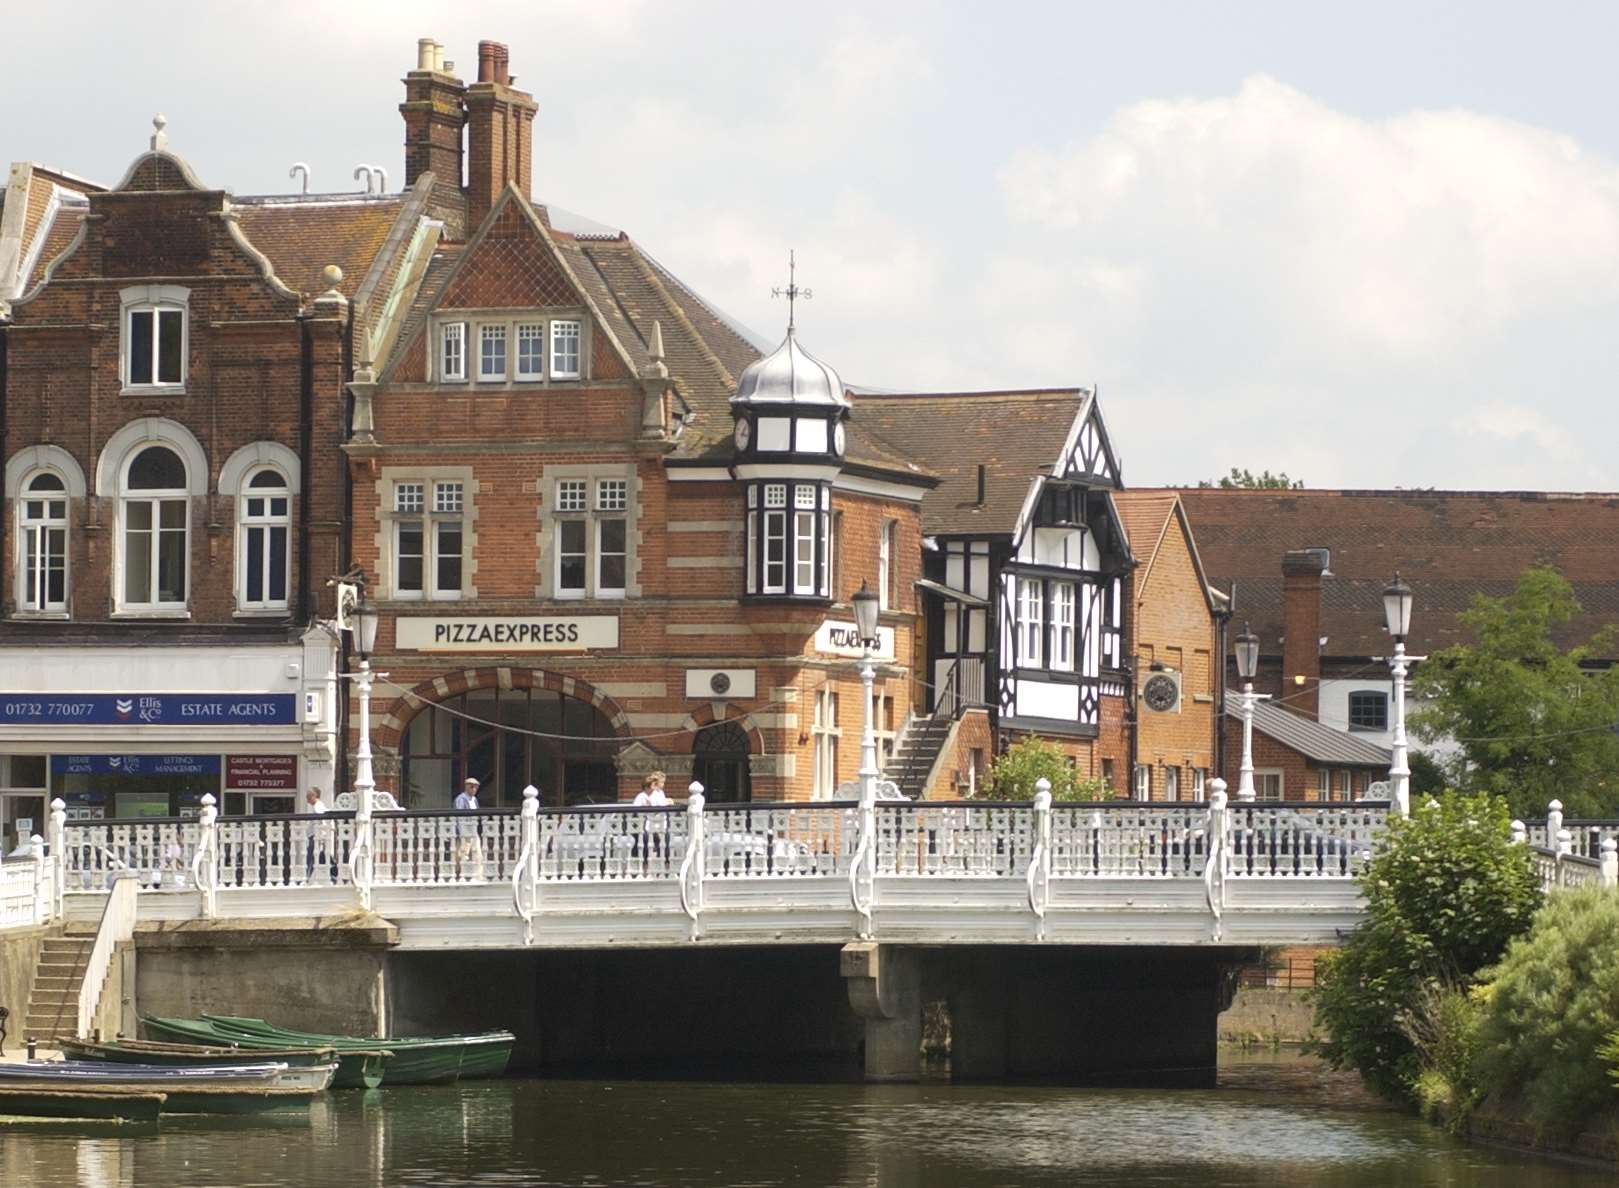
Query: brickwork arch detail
x,y
704,715
388,729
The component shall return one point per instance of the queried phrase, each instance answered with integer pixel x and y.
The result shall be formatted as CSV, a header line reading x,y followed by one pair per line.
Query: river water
x,y
1270,1122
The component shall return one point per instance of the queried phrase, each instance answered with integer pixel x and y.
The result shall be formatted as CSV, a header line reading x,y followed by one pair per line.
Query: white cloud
x,y
1405,236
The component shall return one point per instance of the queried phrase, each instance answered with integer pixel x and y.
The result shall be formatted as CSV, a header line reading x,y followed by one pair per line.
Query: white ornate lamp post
x,y
1397,614
364,629
865,617
1247,649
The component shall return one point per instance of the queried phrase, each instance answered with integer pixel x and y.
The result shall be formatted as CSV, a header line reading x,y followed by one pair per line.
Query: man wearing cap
x,y
468,847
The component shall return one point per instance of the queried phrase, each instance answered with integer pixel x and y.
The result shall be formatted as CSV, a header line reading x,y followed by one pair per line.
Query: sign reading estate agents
x,y
507,633
835,638
148,709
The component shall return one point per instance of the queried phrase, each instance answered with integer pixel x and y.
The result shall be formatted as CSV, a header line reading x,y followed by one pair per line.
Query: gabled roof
x,y
1449,545
1321,744
1013,435
301,235
1146,517
40,212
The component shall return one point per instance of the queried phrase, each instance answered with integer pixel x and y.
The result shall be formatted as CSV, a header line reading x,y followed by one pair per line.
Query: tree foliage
x,y
1445,894
1533,724
1552,1003
1013,774
1248,480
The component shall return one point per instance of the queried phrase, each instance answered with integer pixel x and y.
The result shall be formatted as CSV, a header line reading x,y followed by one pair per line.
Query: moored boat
x,y
218,1089
359,1066
317,1068
27,1104
416,1059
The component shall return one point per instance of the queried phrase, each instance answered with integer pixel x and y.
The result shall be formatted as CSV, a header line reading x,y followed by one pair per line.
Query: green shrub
x,y
1444,895
1444,1024
1610,1052
1013,774
1553,1004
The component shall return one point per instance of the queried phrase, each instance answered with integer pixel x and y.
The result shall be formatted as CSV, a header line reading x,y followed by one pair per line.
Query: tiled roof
x,y
1310,738
302,236
1014,435
1144,515
1449,545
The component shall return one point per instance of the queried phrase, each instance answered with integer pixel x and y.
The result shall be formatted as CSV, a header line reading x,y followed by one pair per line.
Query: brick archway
x,y
390,727
704,715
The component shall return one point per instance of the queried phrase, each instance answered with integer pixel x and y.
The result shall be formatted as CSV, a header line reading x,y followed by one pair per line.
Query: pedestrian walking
x,y
320,842
468,844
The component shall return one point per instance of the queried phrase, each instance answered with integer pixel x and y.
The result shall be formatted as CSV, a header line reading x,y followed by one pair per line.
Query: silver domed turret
x,y
792,376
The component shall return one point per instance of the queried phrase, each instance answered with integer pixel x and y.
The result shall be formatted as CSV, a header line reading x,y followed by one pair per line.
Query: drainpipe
x,y
345,552
306,384
1127,657
5,403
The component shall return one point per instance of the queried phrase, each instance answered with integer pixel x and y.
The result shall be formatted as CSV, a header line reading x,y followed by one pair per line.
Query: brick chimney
x,y
435,112
1301,629
500,133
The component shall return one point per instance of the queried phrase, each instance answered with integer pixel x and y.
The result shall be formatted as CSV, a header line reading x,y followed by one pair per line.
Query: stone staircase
x,y
53,1005
910,765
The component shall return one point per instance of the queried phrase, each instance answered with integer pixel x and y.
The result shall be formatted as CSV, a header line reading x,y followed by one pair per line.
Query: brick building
x,y
1177,631
172,361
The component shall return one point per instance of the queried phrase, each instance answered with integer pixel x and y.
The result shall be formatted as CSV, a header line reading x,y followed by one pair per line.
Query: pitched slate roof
x,y
1014,435
1449,545
1311,739
1145,516
302,235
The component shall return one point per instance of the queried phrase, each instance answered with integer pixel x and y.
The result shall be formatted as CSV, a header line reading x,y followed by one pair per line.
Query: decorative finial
x,y
654,350
792,292
331,276
160,138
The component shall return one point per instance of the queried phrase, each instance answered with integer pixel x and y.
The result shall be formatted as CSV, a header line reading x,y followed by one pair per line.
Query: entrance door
x,y
720,763
22,814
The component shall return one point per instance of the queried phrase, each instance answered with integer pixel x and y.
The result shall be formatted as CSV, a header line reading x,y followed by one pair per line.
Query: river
x,y
1270,1122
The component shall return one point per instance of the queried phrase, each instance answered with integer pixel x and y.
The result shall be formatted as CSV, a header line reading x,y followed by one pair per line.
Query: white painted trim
x,y
44,457
145,431
886,490
255,454
698,474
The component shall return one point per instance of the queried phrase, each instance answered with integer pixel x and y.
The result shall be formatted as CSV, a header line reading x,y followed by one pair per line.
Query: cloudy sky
x,y
1371,245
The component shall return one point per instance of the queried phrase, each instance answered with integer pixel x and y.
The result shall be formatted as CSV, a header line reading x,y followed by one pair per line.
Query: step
x,y
54,982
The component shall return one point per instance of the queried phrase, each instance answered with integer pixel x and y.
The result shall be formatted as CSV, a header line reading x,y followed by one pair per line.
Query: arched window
x,y
156,515
42,540
507,738
720,763
264,517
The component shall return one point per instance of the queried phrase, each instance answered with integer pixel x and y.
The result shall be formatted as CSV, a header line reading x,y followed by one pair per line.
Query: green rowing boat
x,y
184,1041
111,1106
416,1060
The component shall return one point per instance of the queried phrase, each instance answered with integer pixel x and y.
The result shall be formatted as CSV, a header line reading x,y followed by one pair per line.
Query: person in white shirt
x,y
319,841
468,845
651,795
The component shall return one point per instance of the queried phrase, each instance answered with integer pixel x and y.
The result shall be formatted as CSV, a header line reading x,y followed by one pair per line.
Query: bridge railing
x,y
1303,839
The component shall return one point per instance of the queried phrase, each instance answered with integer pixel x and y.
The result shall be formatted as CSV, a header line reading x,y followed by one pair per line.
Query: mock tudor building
x,y
172,360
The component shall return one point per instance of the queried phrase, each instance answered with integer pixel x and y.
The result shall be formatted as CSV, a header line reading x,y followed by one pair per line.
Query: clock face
x,y
1159,692
838,439
742,435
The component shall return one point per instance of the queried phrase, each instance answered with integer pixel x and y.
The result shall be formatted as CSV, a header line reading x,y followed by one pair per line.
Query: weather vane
x,y
792,292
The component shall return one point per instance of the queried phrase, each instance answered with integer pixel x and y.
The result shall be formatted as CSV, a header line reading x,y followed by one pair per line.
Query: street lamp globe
x,y
365,628
1397,608
1247,654
865,613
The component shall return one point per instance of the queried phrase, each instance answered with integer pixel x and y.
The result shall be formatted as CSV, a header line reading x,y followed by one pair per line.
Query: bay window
x,y
1031,623
1062,626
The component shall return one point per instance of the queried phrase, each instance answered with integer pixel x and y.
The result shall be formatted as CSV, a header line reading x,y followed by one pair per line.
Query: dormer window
x,y
565,350
153,354
492,354
453,352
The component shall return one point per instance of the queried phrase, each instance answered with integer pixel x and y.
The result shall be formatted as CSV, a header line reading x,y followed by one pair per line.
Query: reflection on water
x,y
1271,1122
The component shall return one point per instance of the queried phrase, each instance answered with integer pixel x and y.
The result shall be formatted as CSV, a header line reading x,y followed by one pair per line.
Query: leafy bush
x,y
1013,774
1444,895
1444,1024
1553,1004
1610,1052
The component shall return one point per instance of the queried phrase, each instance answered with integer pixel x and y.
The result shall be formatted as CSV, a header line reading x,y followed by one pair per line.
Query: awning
x,y
945,591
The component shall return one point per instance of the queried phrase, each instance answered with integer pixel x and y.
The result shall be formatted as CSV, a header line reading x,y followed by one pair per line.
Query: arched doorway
x,y
507,738
720,763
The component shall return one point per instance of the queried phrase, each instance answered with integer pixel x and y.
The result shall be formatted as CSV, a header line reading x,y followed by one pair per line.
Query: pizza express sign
x,y
518,633
835,638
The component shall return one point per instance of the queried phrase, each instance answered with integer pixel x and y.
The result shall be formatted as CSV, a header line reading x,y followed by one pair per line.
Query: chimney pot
x,y
486,61
502,64
424,53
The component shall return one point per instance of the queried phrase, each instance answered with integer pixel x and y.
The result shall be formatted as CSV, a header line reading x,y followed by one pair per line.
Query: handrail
x,y
528,864
117,926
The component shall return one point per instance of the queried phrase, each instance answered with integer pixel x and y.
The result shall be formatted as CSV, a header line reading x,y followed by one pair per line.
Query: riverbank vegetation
x,y
1463,991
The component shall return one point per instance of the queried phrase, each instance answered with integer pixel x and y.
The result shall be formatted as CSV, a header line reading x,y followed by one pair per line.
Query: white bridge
x,y
917,873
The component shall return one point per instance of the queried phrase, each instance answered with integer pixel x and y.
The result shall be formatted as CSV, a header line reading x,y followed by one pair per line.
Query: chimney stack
x,y
435,112
500,134
1301,629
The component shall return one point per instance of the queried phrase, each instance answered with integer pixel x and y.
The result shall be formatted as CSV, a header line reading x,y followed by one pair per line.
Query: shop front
x,y
256,726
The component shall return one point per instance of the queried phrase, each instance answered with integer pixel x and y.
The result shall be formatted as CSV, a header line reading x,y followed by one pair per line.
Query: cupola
x,y
789,404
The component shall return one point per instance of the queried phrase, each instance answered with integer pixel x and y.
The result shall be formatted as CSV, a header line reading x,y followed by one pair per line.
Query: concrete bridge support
x,y
1073,1014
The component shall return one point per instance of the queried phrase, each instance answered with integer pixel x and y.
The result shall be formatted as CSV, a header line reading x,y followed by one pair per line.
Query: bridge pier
x,y
1075,1014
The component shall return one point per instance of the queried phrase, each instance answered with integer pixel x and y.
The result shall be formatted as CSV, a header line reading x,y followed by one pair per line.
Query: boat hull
x,y
18,1102
357,1068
